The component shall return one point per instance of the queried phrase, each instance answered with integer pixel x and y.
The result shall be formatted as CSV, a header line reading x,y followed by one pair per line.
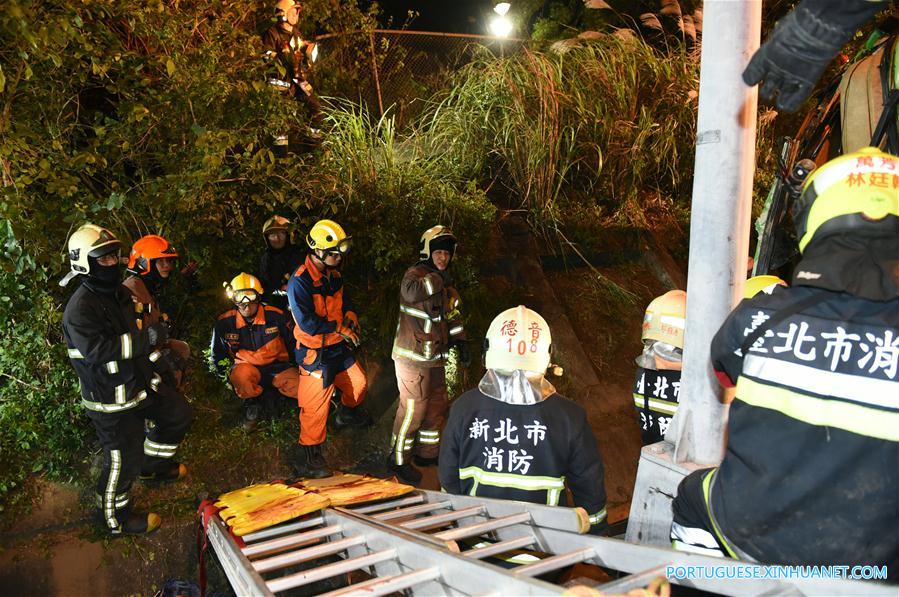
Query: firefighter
x,y
326,332
429,325
114,358
793,58
150,265
657,385
513,437
809,474
250,343
292,58
280,259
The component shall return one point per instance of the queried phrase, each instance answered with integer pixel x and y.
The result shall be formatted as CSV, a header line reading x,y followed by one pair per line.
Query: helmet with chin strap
x,y
89,241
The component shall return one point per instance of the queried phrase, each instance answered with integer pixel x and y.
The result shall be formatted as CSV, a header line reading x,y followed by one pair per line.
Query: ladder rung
x,y
281,530
415,499
316,574
555,562
483,527
412,510
275,545
439,520
304,555
501,547
388,584
630,582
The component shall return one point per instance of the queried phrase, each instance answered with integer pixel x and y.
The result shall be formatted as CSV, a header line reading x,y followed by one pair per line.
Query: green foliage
x,y
603,130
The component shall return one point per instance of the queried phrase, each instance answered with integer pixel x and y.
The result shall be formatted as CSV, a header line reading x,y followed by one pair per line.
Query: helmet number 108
x,y
522,346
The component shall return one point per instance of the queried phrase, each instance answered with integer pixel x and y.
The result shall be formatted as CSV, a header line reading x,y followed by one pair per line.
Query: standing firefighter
x,y
326,332
429,325
254,338
810,472
150,264
114,358
291,58
657,387
280,259
514,437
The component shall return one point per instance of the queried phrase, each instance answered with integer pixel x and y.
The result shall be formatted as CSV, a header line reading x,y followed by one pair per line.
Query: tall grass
x,y
601,131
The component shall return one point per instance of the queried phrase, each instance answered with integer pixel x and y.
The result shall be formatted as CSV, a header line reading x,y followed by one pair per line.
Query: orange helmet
x,y
145,250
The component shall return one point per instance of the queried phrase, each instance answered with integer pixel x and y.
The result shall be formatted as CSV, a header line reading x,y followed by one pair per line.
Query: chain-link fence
x,y
398,71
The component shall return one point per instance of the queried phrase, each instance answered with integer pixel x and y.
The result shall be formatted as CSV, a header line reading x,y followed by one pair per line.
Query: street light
x,y
500,25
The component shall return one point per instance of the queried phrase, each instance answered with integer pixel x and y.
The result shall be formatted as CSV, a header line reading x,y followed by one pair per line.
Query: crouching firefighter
x,y
115,360
250,343
809,474
657,386
429,325
513,437
326,332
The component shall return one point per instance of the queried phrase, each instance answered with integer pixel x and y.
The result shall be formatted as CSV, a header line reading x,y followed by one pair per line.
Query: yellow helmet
x,y
856,194
518,338
757,284
244,288
436,238
275,223
328,235
665,318
89,240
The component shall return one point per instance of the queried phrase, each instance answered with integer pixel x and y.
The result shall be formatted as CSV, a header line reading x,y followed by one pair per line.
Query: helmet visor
x,y
342,248
245,296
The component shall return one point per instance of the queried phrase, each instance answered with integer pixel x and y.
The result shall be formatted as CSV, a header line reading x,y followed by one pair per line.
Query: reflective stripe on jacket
x,y
429,318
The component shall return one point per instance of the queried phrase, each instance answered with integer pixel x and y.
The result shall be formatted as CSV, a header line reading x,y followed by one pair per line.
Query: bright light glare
x,y
502,8
314,55
500,26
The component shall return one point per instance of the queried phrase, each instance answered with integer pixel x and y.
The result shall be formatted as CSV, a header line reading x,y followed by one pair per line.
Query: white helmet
x,y
518,338
89,240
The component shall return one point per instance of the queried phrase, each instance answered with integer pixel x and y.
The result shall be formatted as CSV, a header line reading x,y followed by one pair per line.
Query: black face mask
x,y
104,277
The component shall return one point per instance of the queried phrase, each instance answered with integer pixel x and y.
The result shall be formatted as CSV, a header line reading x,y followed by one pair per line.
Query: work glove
x,y
158,333
804,42
464,354
351,320
190,269
349,336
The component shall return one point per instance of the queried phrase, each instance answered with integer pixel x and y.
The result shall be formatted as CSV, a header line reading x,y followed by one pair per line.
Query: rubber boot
x,y
251,413
131,522
165,473
314,466
422,461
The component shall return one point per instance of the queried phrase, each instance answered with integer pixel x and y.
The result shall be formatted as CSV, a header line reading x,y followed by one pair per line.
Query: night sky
x,y
452,16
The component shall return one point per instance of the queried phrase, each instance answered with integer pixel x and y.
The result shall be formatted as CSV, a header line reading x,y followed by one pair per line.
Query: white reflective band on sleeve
x,y
803,378
155,356
428,437
598,517
112,367
417,313
152,448
74,353
120,394
427,326
552,497
456,330
428,287
414,356
126,346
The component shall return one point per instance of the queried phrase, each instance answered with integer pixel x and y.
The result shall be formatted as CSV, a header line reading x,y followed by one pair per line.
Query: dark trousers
x,y
692,528
170,417
121,437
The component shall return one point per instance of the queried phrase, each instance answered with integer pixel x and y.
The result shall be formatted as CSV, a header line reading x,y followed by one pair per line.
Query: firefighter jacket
x,y
262,341
286,51
430,321
111,355
656,394
318,305
525,452
809,476
275,269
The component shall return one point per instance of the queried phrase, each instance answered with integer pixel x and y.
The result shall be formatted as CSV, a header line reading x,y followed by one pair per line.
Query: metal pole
x,y
721,211
374,70
719,242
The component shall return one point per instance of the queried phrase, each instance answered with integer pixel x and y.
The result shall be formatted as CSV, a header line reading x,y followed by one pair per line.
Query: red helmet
x,y
145,250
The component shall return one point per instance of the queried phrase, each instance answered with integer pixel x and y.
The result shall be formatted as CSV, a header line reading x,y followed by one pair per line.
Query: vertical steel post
x,y
374,70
